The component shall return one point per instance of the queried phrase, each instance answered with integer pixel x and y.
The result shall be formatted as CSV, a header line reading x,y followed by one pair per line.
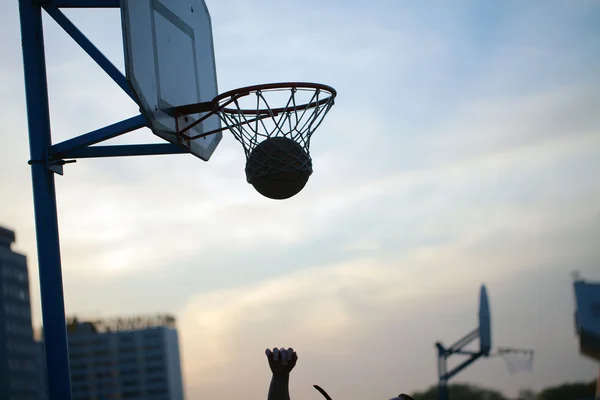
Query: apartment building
x,y
125,358
19,354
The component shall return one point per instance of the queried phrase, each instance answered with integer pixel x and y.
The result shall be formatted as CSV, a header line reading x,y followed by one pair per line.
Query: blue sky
x,y
463,148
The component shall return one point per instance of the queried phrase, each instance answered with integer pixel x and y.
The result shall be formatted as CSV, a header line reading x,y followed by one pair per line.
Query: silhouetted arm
x,y
279,388
281,362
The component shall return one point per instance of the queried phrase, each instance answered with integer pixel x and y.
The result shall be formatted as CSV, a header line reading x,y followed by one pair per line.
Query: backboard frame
x,y
170,62
587,317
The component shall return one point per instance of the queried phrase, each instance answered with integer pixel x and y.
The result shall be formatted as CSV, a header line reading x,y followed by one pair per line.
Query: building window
x,y
153,358
157,391
156,380
76,378
130,383
20,365
14,273
17,310
154,370
16,293
18,329
21,348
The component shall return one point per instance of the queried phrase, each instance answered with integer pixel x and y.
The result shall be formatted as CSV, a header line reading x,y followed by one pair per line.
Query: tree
x,y
569,391
566,391
461,392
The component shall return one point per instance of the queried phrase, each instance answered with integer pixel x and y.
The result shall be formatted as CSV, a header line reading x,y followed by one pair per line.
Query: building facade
x,y
587,320
19,354
126,359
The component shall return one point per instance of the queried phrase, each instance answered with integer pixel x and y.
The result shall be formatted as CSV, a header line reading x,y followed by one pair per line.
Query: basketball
x,y
278,168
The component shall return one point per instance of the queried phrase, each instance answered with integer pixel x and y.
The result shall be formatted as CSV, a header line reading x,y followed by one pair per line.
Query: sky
x,y
463,149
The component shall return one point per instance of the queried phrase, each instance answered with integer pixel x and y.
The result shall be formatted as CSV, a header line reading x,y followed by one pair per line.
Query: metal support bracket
x,y
80,3
55,166
442,360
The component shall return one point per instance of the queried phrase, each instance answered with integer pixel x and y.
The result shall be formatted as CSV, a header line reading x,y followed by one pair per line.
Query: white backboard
x,y
170,62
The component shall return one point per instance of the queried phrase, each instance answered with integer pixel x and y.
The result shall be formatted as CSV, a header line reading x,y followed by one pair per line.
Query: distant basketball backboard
x,y
170,62
485,328
587,317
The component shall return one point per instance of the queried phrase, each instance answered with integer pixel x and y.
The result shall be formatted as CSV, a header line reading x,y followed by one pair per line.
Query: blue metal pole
x,y
44,199
442,370
443,391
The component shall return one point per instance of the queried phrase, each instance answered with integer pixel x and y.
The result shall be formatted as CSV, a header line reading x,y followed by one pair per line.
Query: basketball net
x,y
517,360
291,110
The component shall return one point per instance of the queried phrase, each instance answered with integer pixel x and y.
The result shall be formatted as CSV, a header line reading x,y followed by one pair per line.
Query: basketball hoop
x,y
274,124
517,360
306,104
253,119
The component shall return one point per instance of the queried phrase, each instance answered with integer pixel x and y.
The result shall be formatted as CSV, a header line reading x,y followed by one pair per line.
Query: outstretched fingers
x,y
282,354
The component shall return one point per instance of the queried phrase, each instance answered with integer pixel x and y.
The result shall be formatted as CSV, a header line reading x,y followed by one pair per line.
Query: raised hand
x,y
281,361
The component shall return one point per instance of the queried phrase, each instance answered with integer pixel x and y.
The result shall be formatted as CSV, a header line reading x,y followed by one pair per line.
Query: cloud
x,y
207,221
